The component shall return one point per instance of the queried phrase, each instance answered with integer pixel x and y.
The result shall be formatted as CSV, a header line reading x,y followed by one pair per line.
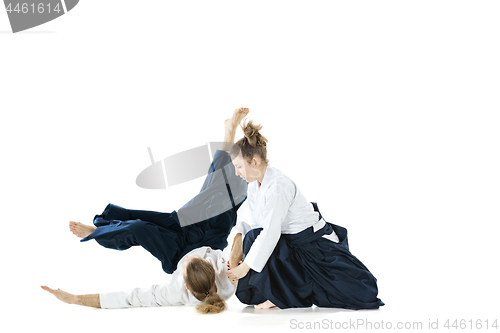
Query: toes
x,y
265,305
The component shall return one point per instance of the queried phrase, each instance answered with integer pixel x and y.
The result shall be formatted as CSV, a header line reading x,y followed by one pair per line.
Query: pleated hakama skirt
x,y
306,269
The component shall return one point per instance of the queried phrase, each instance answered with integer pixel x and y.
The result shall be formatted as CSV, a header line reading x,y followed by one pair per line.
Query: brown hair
x,y
200,279
253,143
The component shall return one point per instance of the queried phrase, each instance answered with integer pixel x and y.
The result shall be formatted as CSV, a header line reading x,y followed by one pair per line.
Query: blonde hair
x,y
200,279
253,143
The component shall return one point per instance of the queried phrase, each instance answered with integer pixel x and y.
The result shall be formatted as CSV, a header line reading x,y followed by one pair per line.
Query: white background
x,y
384,112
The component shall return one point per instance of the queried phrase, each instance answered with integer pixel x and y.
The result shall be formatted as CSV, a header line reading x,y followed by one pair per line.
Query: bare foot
x,y
235,120
81,230
266,305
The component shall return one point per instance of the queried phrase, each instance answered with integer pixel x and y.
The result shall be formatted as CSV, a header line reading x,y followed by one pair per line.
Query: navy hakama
x,y
306,269
163,234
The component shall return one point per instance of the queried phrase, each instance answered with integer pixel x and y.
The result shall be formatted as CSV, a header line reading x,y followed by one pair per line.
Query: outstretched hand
x,y
61,295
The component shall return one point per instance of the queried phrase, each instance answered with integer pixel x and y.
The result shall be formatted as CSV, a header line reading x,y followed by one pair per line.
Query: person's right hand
x,y
228,268
238,272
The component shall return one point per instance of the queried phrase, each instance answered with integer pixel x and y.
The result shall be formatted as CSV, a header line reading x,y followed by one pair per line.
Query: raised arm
x,y
236,251
241,228
91,300
231,124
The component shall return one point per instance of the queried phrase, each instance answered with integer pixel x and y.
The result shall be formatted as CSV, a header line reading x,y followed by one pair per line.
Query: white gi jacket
x,y
278,207
173,292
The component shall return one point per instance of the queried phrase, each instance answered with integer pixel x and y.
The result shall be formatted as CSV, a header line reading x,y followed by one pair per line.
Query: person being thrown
x,y
194,247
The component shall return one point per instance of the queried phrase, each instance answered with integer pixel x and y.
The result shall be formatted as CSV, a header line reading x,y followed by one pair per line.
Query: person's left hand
x,y
61,295
238,272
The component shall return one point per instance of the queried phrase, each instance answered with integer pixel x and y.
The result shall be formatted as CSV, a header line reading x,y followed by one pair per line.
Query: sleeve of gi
x,y
171,293
276,206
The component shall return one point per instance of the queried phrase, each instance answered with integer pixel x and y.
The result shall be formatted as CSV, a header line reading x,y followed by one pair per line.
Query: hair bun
x,y
251,132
